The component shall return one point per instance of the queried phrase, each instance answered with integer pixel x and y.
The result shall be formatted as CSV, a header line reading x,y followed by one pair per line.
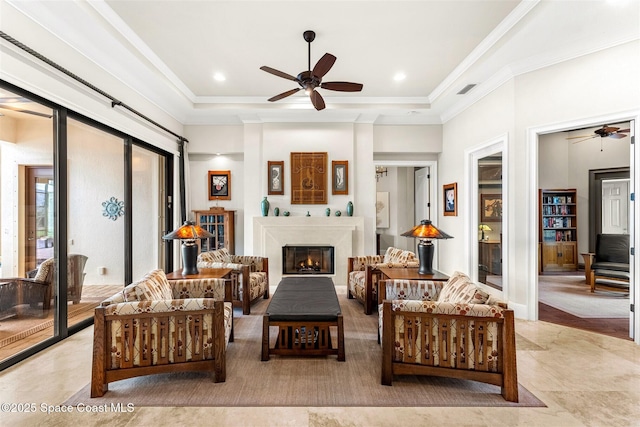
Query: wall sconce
x,y
380,172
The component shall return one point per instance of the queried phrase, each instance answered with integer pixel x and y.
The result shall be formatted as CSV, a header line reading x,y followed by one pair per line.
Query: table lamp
x,y
483,228
425,231
189,232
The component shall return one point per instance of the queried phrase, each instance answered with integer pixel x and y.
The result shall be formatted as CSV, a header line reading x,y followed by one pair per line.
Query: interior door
x,y
39,216
615,206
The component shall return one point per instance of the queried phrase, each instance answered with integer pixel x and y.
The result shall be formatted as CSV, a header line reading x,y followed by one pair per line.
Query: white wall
x,y
585,87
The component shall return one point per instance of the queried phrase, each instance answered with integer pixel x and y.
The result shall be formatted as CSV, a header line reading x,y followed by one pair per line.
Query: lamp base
x,y
425,255
189,259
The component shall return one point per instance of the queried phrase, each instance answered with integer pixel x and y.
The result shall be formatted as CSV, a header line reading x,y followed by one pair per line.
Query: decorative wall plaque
x,y
308,178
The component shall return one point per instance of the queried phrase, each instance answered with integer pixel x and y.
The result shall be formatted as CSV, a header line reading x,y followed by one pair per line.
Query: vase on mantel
x,y
264,207
349,209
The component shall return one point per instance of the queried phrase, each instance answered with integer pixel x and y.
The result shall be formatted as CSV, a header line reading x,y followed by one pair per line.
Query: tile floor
x,y
586,379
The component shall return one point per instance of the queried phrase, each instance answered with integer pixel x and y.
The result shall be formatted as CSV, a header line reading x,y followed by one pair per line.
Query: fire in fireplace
x,y
309,259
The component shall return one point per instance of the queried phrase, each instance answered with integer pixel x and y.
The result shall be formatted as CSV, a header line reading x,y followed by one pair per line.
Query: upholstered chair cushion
x,y
357,283
360,262
421,290
398,256
153,286
460,289
218,255
44,270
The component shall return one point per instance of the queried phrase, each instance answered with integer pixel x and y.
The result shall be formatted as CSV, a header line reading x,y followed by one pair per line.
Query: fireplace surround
x,y
345,234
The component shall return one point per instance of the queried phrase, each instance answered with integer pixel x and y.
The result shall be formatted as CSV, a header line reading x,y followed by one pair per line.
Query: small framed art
x,y
275,177
219,185
490,207
340,177
450,194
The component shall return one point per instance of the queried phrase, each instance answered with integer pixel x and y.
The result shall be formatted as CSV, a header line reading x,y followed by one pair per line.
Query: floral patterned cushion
x,y
153,286
360,262
356,284
460,289
198,288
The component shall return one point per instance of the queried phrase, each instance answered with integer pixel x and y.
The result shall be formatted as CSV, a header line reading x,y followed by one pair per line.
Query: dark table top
x,y
304,298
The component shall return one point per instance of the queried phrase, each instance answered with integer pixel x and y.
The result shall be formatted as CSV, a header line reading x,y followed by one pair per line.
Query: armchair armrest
x,y
220,264
159,306
448,308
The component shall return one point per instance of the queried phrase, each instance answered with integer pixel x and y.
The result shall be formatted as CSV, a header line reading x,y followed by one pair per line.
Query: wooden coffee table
x,y
304,310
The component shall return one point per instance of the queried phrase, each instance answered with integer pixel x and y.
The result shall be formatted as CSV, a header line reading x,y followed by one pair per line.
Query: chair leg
x,y
592,281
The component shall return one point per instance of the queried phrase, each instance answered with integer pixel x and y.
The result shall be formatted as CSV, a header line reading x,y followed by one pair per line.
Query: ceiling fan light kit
x,y
311,79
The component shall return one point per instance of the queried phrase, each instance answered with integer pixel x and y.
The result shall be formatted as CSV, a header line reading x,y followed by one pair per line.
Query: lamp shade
x,y
188,233
484,227
426,230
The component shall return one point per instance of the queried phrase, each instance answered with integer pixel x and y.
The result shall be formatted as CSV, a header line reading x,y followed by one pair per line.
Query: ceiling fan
x,y
604,132
311,79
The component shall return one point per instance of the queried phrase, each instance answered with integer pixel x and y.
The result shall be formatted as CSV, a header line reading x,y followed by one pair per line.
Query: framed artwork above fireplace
x,y
309,178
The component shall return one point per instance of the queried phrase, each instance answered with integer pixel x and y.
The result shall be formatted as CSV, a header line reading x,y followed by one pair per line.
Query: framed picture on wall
x,y
219,185
450,195
490,207
309,178
340,177
275,177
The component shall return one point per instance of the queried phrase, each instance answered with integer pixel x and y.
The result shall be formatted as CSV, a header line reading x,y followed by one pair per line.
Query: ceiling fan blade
x,y
317,101
323,65
585,138
581,136
617,135
342,86
20,110
277,73
283,95
624,131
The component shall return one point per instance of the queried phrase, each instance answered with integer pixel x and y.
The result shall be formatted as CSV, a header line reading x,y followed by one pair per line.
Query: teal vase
x,y
327,212
338,213
276,211
349,209
264,207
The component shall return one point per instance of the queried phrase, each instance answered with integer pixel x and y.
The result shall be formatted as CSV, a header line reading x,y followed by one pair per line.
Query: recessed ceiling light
x,y
219,77
399,76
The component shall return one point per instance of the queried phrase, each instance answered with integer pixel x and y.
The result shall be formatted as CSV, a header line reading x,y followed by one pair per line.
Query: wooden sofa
x,y
155,326
433,335
250,275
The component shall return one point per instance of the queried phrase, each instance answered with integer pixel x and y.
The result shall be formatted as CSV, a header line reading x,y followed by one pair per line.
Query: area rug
x,y
571,294
303,381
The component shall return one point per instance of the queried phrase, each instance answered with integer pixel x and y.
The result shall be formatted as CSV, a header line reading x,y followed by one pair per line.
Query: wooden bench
x,y
304,310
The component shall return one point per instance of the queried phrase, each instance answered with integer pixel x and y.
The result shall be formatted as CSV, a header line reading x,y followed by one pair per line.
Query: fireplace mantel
x,y
345,233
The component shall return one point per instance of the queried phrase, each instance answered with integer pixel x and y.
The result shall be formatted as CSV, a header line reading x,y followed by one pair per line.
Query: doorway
x,y
566,160
39,213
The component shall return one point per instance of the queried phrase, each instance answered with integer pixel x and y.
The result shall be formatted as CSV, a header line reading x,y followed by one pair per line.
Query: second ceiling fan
x,y
605,131
311,79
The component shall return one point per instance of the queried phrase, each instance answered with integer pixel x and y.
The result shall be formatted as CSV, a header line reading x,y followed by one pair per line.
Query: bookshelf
x,y
220,223
558,230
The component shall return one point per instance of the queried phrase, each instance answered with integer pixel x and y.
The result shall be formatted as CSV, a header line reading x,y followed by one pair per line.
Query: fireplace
x,y
308,259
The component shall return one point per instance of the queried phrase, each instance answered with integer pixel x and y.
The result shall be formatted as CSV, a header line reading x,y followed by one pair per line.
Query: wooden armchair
x,y
444,332
250,276
608,267
154,326
363,273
